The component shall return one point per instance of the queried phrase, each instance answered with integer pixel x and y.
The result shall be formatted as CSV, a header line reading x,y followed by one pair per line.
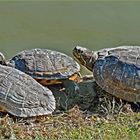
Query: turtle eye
x,y
80,51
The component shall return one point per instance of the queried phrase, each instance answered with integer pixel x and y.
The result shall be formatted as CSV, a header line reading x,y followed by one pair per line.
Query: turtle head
x,y
85,56
2,59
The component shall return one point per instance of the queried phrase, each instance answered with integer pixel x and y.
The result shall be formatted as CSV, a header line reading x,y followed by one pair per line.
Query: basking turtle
x,y
116,70
47,67
22,96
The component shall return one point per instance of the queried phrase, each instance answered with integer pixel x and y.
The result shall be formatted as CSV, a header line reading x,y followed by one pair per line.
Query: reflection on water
x,y
63,25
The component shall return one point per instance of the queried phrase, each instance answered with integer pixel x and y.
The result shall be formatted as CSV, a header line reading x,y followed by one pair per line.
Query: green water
x,y
63,25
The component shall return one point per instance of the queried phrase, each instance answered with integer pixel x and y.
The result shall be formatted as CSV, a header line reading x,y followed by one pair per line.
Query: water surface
x,y
63,25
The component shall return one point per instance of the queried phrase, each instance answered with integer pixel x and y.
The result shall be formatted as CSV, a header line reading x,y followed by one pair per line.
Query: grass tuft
x,y
74,124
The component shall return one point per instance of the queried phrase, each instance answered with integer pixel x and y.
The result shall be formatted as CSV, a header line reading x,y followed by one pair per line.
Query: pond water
x,y
63,25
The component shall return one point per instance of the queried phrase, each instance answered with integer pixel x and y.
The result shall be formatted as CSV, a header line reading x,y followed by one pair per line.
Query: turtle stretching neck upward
x,y
2,59
116,70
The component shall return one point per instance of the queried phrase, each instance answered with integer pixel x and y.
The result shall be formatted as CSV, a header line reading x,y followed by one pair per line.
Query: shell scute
x,y
23,96
45,64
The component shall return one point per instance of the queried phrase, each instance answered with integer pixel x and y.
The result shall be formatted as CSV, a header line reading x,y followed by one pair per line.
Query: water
x,y
63,25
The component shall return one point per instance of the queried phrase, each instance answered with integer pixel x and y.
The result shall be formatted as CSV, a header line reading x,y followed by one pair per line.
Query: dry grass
x,y
115,120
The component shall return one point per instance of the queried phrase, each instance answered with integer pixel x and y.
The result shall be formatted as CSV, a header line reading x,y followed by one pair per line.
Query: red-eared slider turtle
x,y
22,96
116,70
47,67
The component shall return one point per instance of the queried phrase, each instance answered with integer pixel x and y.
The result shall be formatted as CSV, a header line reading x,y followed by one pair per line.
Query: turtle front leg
x,y
71,87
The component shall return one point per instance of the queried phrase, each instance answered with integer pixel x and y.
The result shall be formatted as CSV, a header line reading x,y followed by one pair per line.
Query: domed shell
x,y
116,70
44,63
22,96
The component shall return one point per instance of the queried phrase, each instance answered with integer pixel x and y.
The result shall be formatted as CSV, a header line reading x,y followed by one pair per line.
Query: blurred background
x,y
63,25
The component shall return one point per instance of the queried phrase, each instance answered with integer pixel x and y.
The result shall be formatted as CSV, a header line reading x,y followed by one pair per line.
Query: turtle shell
x,y
45,64
117,71
22,96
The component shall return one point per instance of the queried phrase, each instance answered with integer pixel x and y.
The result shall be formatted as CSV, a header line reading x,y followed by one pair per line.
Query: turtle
x,y
48,67
23,96
116,70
